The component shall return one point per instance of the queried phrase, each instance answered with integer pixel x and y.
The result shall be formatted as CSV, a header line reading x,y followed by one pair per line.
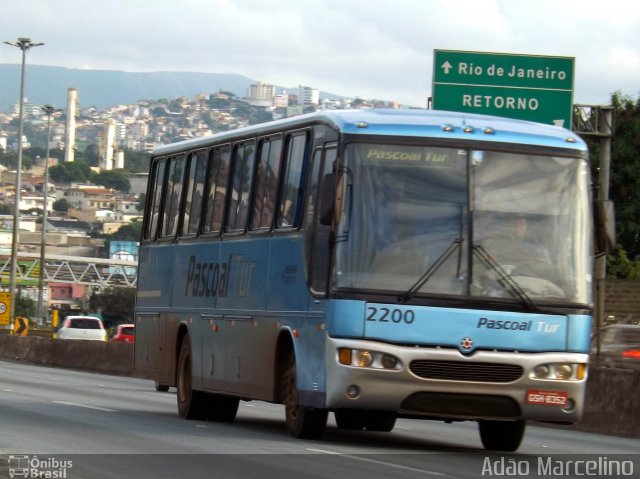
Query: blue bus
x,y
375,264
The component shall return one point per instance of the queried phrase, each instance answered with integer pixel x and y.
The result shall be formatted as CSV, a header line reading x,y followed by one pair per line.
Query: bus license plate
x,y
547,398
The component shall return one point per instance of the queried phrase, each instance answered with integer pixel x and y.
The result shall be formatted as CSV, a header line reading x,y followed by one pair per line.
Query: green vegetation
x,y
116,304
25,307
624,189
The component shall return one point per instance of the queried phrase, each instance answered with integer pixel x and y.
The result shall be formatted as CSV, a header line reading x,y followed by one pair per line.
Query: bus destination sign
x,y
526,87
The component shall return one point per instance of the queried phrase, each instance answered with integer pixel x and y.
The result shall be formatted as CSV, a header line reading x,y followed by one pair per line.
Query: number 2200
x,y
390,315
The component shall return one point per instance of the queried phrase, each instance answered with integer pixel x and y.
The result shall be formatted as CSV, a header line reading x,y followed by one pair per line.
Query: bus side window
x,y
218,178
290,205
195,188
318,246
241,179
153,200
266,184
172,197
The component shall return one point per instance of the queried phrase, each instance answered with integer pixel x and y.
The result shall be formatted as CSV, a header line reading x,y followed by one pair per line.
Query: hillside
x,y
103,88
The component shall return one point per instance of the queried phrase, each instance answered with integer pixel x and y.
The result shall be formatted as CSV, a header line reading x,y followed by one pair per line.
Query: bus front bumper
x,y
449,389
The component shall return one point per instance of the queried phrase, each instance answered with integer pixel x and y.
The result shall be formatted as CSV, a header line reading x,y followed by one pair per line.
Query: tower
x,y
107,153
70,130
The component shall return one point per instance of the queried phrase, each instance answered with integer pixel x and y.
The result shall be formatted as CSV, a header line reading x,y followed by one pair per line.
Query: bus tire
x,y
501,435
222,408
380,421
191,404
302,422
349,419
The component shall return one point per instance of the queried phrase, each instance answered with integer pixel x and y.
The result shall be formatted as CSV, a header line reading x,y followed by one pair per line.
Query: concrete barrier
x,y
612,402
96,356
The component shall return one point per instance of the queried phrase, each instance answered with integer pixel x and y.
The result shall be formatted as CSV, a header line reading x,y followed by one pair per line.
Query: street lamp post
x,y
42,306
23,44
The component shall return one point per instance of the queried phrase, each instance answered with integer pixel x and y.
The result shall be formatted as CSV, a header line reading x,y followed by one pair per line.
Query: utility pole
x,y
23,44
42,306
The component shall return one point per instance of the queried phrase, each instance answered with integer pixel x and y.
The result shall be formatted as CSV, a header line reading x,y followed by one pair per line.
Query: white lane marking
x,y
8,390
86,406
49,378
381,463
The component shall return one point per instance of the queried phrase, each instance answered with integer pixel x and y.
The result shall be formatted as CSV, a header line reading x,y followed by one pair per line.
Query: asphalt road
x,y
109,426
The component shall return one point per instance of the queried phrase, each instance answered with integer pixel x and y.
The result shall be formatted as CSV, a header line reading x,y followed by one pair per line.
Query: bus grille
x,y
466,371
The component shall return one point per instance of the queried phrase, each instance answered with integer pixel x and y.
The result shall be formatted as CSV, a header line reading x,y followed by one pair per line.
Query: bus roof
x,y
408,123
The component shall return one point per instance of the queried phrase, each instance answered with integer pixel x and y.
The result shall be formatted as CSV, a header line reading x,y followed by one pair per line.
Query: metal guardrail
x,y
102,272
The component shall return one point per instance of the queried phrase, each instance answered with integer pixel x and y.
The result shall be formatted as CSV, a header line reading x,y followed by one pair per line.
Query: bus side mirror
x,y
327,199
605,226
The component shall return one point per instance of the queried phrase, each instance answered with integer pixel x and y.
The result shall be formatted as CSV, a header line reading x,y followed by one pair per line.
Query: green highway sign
x,y
535,88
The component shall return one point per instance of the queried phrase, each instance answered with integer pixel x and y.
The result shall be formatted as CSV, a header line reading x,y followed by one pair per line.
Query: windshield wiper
x,y
504,279
431,271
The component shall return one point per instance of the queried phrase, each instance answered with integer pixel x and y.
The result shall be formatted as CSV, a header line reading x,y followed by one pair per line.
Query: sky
x,y
371,49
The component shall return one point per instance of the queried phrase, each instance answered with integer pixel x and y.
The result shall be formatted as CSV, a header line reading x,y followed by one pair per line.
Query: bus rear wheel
x,y
501,435
222,408
161,387
302,422
191,404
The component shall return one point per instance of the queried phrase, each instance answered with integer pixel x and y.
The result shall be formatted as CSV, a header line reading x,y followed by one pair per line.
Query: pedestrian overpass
x,y
97,272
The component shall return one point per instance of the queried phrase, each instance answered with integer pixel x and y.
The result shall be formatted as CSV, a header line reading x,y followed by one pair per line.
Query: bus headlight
x,y
365,358
388,361
560,371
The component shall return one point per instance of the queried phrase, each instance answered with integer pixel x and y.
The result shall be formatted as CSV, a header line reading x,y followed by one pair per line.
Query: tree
x,y
91,155
116,179
625,172
136,161
128,232
61,206
115,303
25,307
10,160
71,171
620,266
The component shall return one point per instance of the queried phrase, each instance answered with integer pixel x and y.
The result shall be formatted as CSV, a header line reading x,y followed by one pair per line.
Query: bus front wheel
x,y
302,422
191,404
501,435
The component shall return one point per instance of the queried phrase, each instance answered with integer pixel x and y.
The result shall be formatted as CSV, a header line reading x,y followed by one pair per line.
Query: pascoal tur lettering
x,y
426,156
207,279
487,323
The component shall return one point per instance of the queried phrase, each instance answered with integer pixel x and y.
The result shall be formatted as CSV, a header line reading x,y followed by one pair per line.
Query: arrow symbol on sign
x,y
446,66
22,325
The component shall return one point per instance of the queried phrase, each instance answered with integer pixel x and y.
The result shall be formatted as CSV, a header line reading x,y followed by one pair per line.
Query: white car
x,y
82,327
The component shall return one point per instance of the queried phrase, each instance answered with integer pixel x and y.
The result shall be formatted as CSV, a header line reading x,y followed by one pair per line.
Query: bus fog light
x,y
388,361
353,391
570,406
364,359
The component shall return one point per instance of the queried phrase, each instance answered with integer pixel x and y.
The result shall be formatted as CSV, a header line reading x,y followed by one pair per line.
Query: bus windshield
x,y
421,220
